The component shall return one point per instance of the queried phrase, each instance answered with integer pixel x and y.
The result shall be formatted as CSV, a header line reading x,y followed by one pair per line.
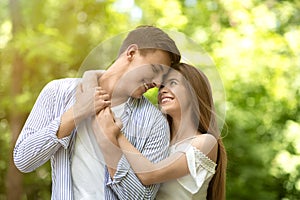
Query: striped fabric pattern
x,y
37,142
145,127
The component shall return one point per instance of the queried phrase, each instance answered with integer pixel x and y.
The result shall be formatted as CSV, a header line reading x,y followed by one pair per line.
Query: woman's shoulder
x,y
207,144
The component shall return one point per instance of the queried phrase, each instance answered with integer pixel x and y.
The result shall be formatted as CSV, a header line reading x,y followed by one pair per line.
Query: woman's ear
x,y
131,51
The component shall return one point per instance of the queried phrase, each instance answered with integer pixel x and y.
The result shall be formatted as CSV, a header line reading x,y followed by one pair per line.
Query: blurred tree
x,y
16,118
258,55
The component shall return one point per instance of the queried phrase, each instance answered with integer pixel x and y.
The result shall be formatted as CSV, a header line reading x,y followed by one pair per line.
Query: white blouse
x,y
193,185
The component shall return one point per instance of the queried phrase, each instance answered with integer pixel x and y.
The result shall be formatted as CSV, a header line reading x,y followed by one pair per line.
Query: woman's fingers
x,y
101,99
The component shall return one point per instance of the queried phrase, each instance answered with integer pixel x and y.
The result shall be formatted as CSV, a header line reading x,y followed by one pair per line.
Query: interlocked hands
x,y
90,98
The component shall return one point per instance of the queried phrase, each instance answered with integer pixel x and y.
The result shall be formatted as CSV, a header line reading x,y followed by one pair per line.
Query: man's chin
x,y
137,96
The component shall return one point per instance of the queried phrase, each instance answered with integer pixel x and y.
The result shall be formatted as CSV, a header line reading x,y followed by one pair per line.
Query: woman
x,y
196,167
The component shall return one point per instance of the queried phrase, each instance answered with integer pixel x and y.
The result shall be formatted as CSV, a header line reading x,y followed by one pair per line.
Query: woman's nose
x,y
163,89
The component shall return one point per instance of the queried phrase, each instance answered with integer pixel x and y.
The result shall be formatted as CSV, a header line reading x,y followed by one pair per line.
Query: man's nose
x,y
157,81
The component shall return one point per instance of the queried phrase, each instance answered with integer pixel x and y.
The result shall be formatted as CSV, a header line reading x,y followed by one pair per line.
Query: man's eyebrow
x,y
158,68
162,67
154,68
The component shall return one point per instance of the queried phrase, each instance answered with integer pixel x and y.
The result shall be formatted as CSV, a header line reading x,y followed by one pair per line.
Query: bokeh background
x,y
255,45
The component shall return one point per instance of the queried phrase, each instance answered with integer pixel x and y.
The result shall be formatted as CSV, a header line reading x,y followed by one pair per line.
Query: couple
x,y
65,107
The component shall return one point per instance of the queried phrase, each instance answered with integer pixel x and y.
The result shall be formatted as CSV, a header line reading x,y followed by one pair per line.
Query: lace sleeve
x,y
201,168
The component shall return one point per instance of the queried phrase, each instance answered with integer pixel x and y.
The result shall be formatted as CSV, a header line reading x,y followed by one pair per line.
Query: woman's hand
x,y
106,132
90,98
107,124
90,78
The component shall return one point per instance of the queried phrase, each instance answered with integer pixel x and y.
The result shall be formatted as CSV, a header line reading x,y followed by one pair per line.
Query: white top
x,y
193,185
88,166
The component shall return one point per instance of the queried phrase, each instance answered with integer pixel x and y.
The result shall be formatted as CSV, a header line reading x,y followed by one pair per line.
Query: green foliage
x,y
152,95
255,46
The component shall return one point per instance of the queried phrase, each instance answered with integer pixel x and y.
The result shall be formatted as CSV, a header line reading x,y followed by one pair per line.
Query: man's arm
x,y
48,127
37,141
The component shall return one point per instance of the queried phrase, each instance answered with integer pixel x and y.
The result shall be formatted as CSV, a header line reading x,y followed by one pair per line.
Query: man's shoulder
x,y
65,81
61,88
145,107
63,84
146,104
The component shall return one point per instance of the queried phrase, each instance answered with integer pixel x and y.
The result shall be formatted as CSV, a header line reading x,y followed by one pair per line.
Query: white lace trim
x,y
199,157
204,161
200,166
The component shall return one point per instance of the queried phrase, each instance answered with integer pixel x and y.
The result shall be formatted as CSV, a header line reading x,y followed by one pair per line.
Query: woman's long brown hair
x,y
205,116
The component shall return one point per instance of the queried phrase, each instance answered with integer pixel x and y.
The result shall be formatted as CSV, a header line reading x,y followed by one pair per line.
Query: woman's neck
x,y
182,128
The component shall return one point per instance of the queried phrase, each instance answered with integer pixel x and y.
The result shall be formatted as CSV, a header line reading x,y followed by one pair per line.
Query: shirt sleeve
x,y
37,141
125,183
200,166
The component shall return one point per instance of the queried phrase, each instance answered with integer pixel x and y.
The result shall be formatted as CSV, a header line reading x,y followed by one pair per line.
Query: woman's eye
x,y
173,83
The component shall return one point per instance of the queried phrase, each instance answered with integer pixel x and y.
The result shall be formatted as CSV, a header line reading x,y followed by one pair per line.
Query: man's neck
x,y
108,82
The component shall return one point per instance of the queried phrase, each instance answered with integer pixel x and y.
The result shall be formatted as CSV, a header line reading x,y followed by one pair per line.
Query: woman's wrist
x,y
120,137
118,132
119,126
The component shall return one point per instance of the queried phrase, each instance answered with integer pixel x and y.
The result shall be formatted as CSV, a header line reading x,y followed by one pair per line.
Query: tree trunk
x,y
14,186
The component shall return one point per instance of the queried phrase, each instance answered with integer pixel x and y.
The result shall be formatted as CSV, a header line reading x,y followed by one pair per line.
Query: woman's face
x,y
173,96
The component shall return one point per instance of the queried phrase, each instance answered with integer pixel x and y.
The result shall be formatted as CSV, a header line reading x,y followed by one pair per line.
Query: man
x,y
49,132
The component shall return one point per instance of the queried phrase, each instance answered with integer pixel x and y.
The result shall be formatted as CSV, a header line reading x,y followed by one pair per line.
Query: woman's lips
x,y
165,99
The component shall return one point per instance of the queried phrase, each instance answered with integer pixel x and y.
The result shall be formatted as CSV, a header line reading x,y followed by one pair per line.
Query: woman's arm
x,y
109,146
175,166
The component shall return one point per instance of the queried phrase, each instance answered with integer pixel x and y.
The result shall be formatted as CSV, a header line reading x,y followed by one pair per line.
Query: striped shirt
x,y
146,129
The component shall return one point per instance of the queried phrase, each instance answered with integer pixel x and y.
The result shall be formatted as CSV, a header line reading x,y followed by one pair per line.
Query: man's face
x,y
146,72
